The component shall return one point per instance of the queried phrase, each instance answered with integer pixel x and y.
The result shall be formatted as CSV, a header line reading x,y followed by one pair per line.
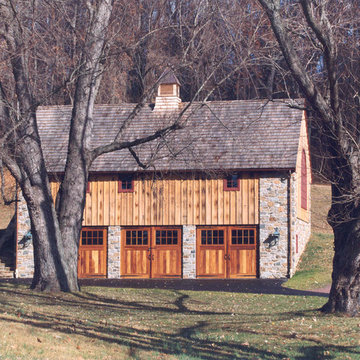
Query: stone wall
x,y
189,251
114,253
273,208
300,229
25,250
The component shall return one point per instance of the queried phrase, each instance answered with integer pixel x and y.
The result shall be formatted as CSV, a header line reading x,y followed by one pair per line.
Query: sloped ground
x,y
315,267
320,205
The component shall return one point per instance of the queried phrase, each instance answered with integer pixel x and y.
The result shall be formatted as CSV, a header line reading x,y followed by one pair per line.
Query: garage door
x,y
226,252
151,252
92,253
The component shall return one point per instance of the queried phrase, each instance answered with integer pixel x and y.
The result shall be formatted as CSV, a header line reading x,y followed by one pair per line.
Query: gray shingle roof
x,y
220,135
169,77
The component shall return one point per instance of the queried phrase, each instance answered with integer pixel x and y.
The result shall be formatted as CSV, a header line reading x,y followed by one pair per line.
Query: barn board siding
x,y
170,202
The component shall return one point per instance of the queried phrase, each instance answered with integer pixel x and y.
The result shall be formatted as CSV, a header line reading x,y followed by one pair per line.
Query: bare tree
x,y
55,231
320,43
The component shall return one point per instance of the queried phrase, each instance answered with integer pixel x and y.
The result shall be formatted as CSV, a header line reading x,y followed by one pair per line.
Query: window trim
x,y
127,178
227,188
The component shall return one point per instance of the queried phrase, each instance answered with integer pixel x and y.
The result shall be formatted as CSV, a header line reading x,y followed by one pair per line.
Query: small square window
x,y
232,182
126,184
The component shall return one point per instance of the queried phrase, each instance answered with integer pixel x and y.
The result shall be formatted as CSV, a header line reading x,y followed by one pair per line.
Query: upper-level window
x,y
126,184
303,187
232,182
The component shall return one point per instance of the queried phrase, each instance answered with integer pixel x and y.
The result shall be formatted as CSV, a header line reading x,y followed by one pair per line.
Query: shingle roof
x,y
168,77
218,135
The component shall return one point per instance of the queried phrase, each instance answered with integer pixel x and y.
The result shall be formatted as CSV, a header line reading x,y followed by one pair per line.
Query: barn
x,y
225,196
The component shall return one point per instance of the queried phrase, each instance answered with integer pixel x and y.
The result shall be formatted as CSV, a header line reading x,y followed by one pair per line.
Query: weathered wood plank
x,y
171,202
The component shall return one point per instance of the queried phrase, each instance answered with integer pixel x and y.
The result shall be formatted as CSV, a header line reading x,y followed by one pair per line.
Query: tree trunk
x,y
51,272
345,289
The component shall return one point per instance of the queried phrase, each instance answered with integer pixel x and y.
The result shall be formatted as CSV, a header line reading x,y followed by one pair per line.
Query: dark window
x,y
242,237
136,237
232,182
212,237
126,184
166,237
92,237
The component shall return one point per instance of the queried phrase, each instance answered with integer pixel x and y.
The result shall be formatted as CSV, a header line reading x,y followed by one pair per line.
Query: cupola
x,y
168,94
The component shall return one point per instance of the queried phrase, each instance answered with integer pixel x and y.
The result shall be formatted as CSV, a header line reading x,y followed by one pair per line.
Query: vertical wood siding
x,y
190,201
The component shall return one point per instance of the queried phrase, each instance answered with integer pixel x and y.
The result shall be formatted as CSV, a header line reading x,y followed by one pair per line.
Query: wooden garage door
x,y
151,252
92,253
226,252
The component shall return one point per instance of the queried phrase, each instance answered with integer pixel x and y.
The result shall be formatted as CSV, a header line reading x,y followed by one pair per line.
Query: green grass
x,y
314,270
315,267
108,323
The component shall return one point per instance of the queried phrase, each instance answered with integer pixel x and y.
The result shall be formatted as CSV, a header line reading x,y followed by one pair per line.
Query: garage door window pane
x,y
166,237
212,237
92,237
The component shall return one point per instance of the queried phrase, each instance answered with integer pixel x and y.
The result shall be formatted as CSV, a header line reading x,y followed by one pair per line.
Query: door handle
x,y
226,257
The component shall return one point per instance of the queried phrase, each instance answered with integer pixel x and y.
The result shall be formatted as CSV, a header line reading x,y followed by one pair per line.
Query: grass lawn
x,y
110,323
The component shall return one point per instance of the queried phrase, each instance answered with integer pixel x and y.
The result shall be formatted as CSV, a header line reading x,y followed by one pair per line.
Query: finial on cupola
x,y
168,94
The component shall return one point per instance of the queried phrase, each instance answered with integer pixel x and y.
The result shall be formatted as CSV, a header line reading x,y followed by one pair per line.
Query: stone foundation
x,y
189,251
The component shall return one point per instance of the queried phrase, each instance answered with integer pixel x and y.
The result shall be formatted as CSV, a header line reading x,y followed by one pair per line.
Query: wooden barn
x,y
226,196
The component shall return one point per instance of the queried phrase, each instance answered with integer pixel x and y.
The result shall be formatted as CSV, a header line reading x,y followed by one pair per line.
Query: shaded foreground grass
x,y
111,323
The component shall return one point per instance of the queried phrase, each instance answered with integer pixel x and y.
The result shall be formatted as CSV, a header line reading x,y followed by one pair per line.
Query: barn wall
x,y
170,202
274,207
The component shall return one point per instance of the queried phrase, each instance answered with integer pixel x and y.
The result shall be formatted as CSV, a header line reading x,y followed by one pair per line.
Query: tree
x,y
320,43
55,231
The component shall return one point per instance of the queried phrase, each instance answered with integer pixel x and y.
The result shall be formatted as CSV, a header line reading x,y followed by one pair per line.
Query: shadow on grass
x,y
250,286
188,340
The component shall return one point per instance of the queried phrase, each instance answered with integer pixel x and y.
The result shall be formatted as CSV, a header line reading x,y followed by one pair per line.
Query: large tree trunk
x,y
52,273
345,289
55,233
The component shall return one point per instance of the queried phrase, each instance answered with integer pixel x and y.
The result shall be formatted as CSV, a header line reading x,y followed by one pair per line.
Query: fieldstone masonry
x,y
273,214
114,253
189,251
25,250
300,229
